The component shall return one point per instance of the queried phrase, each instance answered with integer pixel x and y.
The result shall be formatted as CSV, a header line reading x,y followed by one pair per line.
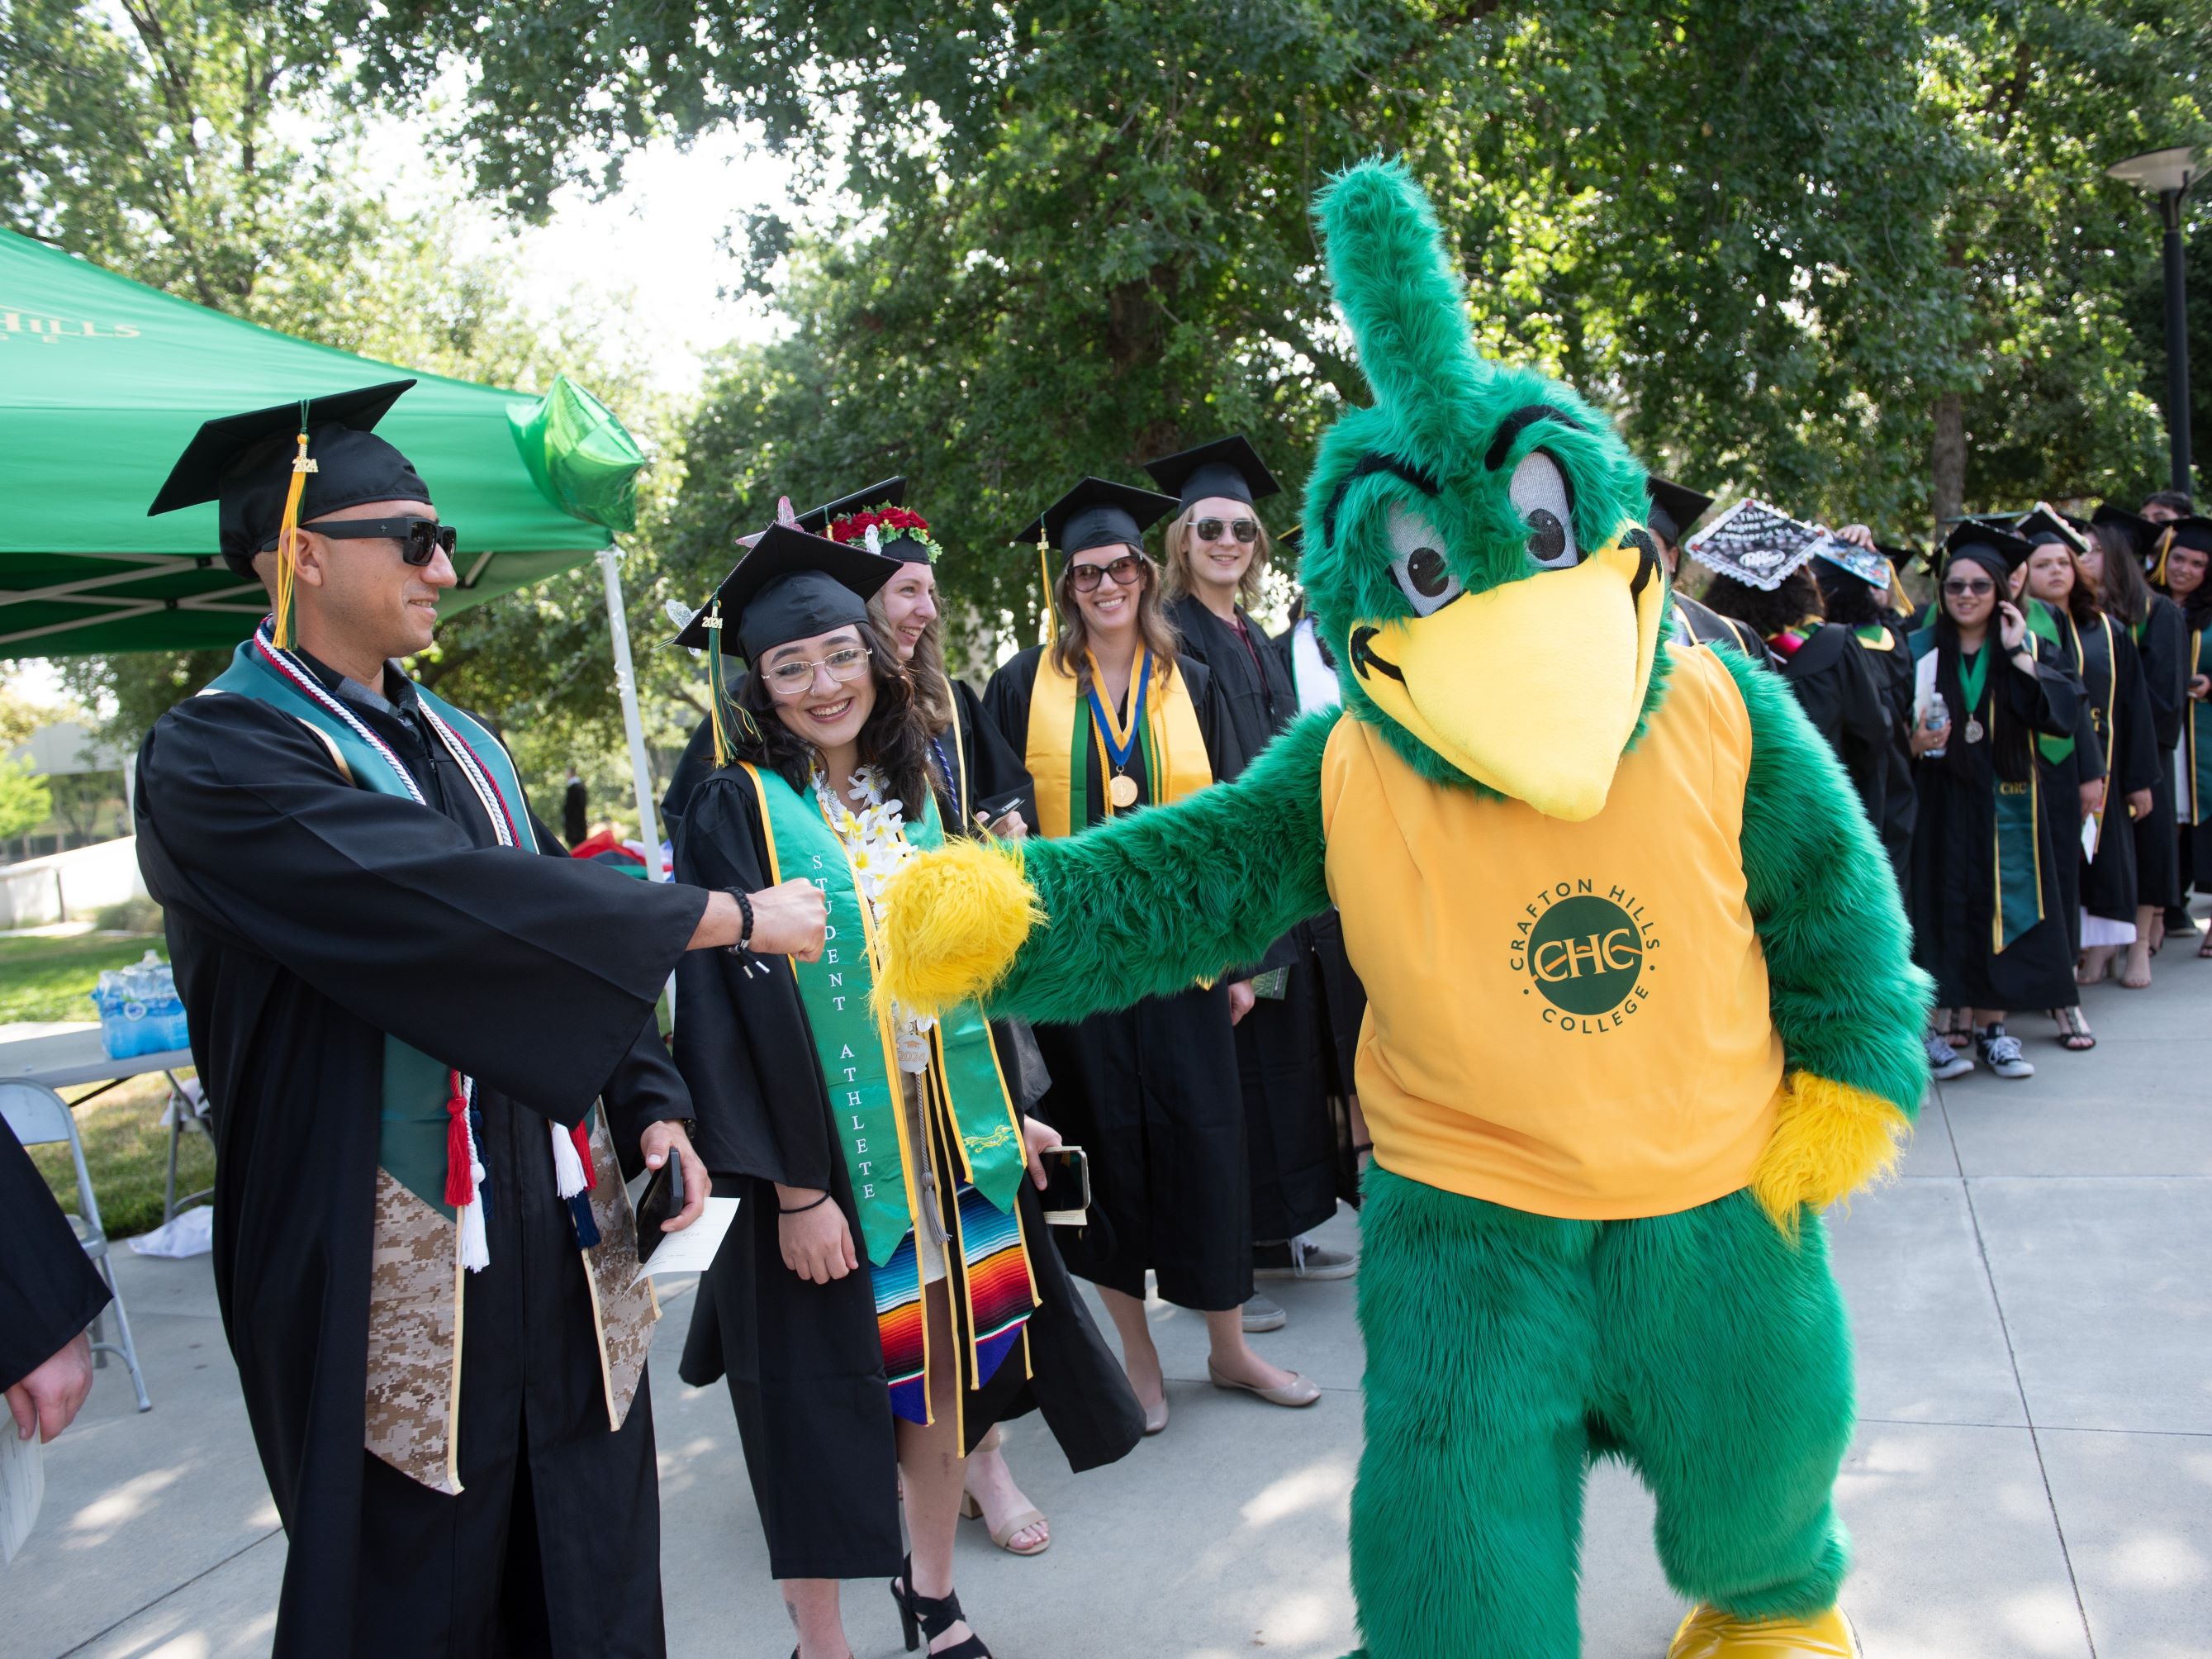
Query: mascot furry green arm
x,y
1641,1000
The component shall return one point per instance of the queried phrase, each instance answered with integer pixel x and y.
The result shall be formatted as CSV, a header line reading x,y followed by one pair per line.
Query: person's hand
x,y
2200,687
658,1141
2139,805
2092,798
47,1401
1858,536
1241,997
1038,1138
816,1244
788,919
1926,737
1013,826
2012,627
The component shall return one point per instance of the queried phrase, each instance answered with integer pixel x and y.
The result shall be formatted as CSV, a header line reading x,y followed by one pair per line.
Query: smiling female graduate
x,y
1985,892
887,1294
1113,718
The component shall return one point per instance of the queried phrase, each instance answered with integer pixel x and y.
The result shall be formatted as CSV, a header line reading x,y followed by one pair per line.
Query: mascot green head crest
x,y
1475,549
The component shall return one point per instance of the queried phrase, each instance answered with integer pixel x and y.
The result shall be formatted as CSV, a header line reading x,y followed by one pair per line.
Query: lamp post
x,y
2167,175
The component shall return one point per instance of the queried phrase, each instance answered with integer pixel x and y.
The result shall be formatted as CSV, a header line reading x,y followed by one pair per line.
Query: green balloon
x,y
580,457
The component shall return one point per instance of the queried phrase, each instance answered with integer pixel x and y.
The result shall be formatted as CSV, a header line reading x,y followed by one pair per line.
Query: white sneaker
x,y
1945,1062
1999,1051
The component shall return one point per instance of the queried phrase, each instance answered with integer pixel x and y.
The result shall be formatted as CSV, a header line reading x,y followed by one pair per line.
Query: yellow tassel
x,y
953,922
1829,1142
288,538
1044,570
2158,569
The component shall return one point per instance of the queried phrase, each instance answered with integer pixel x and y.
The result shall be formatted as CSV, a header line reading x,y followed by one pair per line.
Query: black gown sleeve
x,y
1222,753
2135,766
696,761
2087,744
996,768
2165,672
532,975
49,1291
2049,700
742,1040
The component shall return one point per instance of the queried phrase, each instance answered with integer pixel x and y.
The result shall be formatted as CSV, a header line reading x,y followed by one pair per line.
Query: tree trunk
x,y
1947,460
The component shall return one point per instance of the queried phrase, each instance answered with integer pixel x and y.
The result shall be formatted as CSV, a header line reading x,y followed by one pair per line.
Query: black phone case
x,y
654,1207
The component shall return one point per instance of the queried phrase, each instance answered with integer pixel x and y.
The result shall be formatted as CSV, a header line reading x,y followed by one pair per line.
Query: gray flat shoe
x,y
1298,1391
1261,1315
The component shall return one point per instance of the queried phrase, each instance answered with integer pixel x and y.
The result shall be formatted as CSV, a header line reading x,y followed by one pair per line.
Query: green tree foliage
x,y
1793,244
25,800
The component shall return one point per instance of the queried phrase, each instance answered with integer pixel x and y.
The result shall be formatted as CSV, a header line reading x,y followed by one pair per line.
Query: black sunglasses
x,y
421,539
1209,530
1126,571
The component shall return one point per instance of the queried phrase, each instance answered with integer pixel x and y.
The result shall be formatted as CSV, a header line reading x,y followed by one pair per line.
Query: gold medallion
x,y
1123,790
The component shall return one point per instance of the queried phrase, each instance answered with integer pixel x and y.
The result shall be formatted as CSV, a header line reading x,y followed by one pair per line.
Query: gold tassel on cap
x,y
2158,568
1044,570
288,535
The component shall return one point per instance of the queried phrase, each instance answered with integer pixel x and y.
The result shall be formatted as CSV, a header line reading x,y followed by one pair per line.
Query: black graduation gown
x,y
1290,1136
2113,680
307,918
2162,645
1706,626
49,1289
803,1362
1150,1091
1954,891
1890,661
1834,684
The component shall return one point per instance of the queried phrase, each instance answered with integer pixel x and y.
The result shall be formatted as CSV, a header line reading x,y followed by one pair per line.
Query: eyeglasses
x,y
1209,530
1968,590
1126,571
421,539
789,679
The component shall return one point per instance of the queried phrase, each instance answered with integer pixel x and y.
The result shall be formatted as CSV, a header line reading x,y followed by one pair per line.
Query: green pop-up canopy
x,y
103,381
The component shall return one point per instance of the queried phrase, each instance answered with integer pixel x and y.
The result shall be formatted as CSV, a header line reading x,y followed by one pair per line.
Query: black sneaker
x,y
1999,1051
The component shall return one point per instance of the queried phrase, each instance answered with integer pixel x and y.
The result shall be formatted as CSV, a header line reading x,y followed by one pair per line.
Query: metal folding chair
x,y
188,1109
40,1117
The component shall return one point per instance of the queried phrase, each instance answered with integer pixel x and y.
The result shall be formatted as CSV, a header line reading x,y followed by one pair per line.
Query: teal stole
x,y
2198,738
2058,627
2017,808
967,1112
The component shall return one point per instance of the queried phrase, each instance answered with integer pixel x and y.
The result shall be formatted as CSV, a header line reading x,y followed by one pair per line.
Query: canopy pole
x,y
640,774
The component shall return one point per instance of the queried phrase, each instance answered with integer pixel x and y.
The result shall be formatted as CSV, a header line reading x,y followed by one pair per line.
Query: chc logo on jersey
x,y
1587,954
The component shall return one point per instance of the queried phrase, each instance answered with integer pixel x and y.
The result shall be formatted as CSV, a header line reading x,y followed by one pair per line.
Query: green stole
x,y
2016,807
2058,628
412,1126
853,1040
2199,743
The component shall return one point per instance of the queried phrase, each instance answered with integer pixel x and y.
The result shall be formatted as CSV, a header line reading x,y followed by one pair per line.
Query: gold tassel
x,y
1044,569
2158,570
288,537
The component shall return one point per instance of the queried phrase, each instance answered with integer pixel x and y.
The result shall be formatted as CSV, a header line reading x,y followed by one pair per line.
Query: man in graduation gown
x,y
1289,1130
1675,511
428,1051
49,1293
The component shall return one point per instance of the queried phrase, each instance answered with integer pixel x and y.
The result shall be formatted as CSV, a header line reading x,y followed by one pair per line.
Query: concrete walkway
x,y
2032,1475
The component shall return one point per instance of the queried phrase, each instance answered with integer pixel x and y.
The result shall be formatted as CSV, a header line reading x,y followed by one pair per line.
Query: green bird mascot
x,y
1641,1000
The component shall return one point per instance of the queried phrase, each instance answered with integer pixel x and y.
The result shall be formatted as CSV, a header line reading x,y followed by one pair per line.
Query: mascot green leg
x,y
1504,1350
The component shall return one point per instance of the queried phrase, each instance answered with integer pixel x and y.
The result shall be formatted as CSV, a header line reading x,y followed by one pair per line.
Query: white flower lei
x,y
875,846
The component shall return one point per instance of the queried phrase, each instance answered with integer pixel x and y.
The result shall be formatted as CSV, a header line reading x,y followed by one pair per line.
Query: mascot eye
x,y
1539,490
1418,563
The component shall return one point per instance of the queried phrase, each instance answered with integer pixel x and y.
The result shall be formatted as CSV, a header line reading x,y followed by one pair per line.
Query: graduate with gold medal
x,y
1115,720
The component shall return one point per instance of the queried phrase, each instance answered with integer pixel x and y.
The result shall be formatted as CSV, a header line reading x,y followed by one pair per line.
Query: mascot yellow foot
x,y
1709,1633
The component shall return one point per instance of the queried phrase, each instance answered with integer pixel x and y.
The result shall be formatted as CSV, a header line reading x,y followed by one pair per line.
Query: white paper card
x,y
692,1250
2090,828
22,1487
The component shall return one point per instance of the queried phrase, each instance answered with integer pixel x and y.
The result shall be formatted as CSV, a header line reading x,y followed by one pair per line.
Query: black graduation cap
x,y
2191,532
1095,513
1228,467
887,492
245,462
1902,556
2139,530
1997,550
1293,540
1674,508
2043,520
791,585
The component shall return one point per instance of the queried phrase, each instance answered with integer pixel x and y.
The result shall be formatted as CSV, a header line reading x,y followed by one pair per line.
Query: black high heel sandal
x,y
925,1618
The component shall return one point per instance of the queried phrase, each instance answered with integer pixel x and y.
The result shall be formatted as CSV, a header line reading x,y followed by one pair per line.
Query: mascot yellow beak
x,y
1533,688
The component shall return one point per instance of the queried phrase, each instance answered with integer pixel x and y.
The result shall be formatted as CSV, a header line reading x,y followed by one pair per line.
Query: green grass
x,y
126,1147
52,978
127,1151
